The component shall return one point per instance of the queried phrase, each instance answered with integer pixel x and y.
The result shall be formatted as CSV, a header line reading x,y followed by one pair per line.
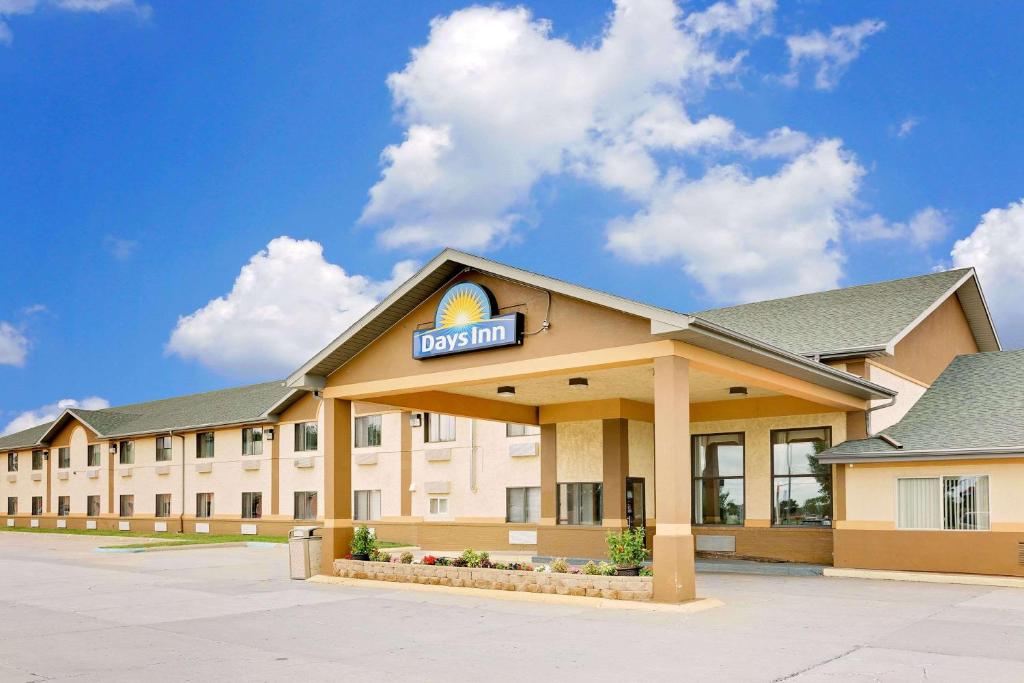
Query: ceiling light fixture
x,y
507,390
741,391
578,383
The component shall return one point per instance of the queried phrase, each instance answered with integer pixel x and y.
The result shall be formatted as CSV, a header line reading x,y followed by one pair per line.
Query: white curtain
x,y
966,503
919,503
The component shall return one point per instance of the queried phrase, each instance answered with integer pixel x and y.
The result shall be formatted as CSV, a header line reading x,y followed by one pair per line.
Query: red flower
x,y
429,559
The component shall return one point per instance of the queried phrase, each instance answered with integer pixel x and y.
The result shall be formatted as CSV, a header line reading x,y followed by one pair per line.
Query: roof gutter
x,y
926,454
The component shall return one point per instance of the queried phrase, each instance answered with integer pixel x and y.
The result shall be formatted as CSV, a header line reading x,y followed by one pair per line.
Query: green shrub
x,y
471,558
363,541
606,569
591,568
627,548
646,571
559,566
406,557
378,555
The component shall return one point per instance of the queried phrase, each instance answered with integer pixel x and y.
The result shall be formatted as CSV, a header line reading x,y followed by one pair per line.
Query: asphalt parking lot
x,y
69,613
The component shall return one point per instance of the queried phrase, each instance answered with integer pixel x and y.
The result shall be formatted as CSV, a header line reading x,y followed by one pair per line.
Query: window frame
x,y
164,453
599,489
304,429
206,509
63,457
89,450
368,494
446,498
255,446
157,504
307,496
526,504
254,509
524,427
12,461
694,478
202,441
942,502
427,419
772,475
358,432
121,499
124,447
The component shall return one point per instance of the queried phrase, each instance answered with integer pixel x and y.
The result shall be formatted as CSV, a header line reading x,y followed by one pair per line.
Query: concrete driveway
x,y
69,613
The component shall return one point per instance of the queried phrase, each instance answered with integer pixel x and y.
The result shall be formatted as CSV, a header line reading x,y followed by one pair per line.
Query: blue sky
x,y
150,151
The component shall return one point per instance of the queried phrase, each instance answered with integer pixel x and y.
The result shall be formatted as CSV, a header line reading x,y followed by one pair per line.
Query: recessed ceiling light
x,y
578,383
507,389
741,391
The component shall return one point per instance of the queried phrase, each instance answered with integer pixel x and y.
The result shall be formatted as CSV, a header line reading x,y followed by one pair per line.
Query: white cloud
x,y
740,17
907,126
51,411
829,55
286,304
13,345
120,248
925,227
745,238
9,8
996,249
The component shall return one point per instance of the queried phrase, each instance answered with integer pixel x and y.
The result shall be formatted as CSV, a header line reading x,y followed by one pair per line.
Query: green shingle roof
x,y
226,406
976,403
865,316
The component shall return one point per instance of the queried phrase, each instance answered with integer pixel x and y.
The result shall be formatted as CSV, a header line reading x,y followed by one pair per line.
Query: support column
x,y
337,532
405,476
548,473
674,579
615,461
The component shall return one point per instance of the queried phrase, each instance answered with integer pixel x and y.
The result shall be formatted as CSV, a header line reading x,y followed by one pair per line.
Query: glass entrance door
x,y
635,503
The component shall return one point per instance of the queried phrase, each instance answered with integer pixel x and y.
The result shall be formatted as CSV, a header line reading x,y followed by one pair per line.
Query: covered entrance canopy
x,y
535,350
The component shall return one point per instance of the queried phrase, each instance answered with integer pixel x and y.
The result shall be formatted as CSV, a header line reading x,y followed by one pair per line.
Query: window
x,y
367,505
64,457
37,505
93,455
522,504
438,507
163,448
513,429
204,505
801,486
305,505
951,503
252,441
126,451
63,506
439,428
12,505
126,505
718,479
163,505
252,505
579,503
12,462
368,431
305,436
92,506
204,445
37,460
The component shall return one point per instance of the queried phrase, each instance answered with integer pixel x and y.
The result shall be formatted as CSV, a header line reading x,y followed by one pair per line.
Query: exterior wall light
x,y
269,431
113,448
507,390
578,383
416,419
738,391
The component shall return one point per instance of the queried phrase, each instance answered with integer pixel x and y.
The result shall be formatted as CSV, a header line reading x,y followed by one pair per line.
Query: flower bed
x,y
588,585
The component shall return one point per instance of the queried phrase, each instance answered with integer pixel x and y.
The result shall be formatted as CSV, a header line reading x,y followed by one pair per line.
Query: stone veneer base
x,y
583,585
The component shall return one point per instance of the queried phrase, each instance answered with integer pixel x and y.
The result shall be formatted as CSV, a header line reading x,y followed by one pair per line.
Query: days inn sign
x,y
465,321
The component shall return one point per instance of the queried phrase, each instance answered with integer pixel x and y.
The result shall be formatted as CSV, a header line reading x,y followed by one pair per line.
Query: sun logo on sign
x,y
463,304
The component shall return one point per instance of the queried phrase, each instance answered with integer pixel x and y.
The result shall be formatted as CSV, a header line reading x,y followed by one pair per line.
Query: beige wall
x,y
293,477
641,461
909,392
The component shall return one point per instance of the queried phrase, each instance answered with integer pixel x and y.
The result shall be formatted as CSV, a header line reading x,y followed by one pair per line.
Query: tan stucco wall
x,y
292,477
580,451
928,349
641,460
909,392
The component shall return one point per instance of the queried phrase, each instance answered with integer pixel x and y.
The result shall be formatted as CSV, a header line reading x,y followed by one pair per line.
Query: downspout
x,y
867,413
181,515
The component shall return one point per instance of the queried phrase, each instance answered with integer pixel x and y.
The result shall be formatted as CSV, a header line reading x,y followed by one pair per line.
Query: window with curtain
x,y
252,505
204,445
37,460
305,436
954,503
37,505
163,448
718,495
163,505
92,506
801,485
305,505
522,504
368,431
126,449
63,506
126,505
204,505
12,462
12,505
366,505
514,429
439,428
252,441
63,457
580,503
93,455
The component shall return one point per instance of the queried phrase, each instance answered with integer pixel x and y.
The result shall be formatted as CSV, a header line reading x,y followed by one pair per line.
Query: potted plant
x,y
628,550
364,544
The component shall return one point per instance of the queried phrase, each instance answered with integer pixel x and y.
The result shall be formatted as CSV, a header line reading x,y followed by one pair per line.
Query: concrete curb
x,y
192,546
698,605
926,577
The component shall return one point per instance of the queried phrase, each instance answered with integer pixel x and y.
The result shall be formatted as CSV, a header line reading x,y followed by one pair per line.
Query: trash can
x,y
304,551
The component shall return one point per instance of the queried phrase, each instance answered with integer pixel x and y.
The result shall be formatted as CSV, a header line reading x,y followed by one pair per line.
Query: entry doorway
x,y
636,507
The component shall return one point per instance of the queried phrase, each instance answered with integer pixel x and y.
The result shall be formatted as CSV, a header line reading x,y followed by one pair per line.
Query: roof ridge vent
x,y
889,440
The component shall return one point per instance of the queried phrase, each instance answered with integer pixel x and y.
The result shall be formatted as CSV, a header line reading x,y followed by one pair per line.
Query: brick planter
x,y
583,585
